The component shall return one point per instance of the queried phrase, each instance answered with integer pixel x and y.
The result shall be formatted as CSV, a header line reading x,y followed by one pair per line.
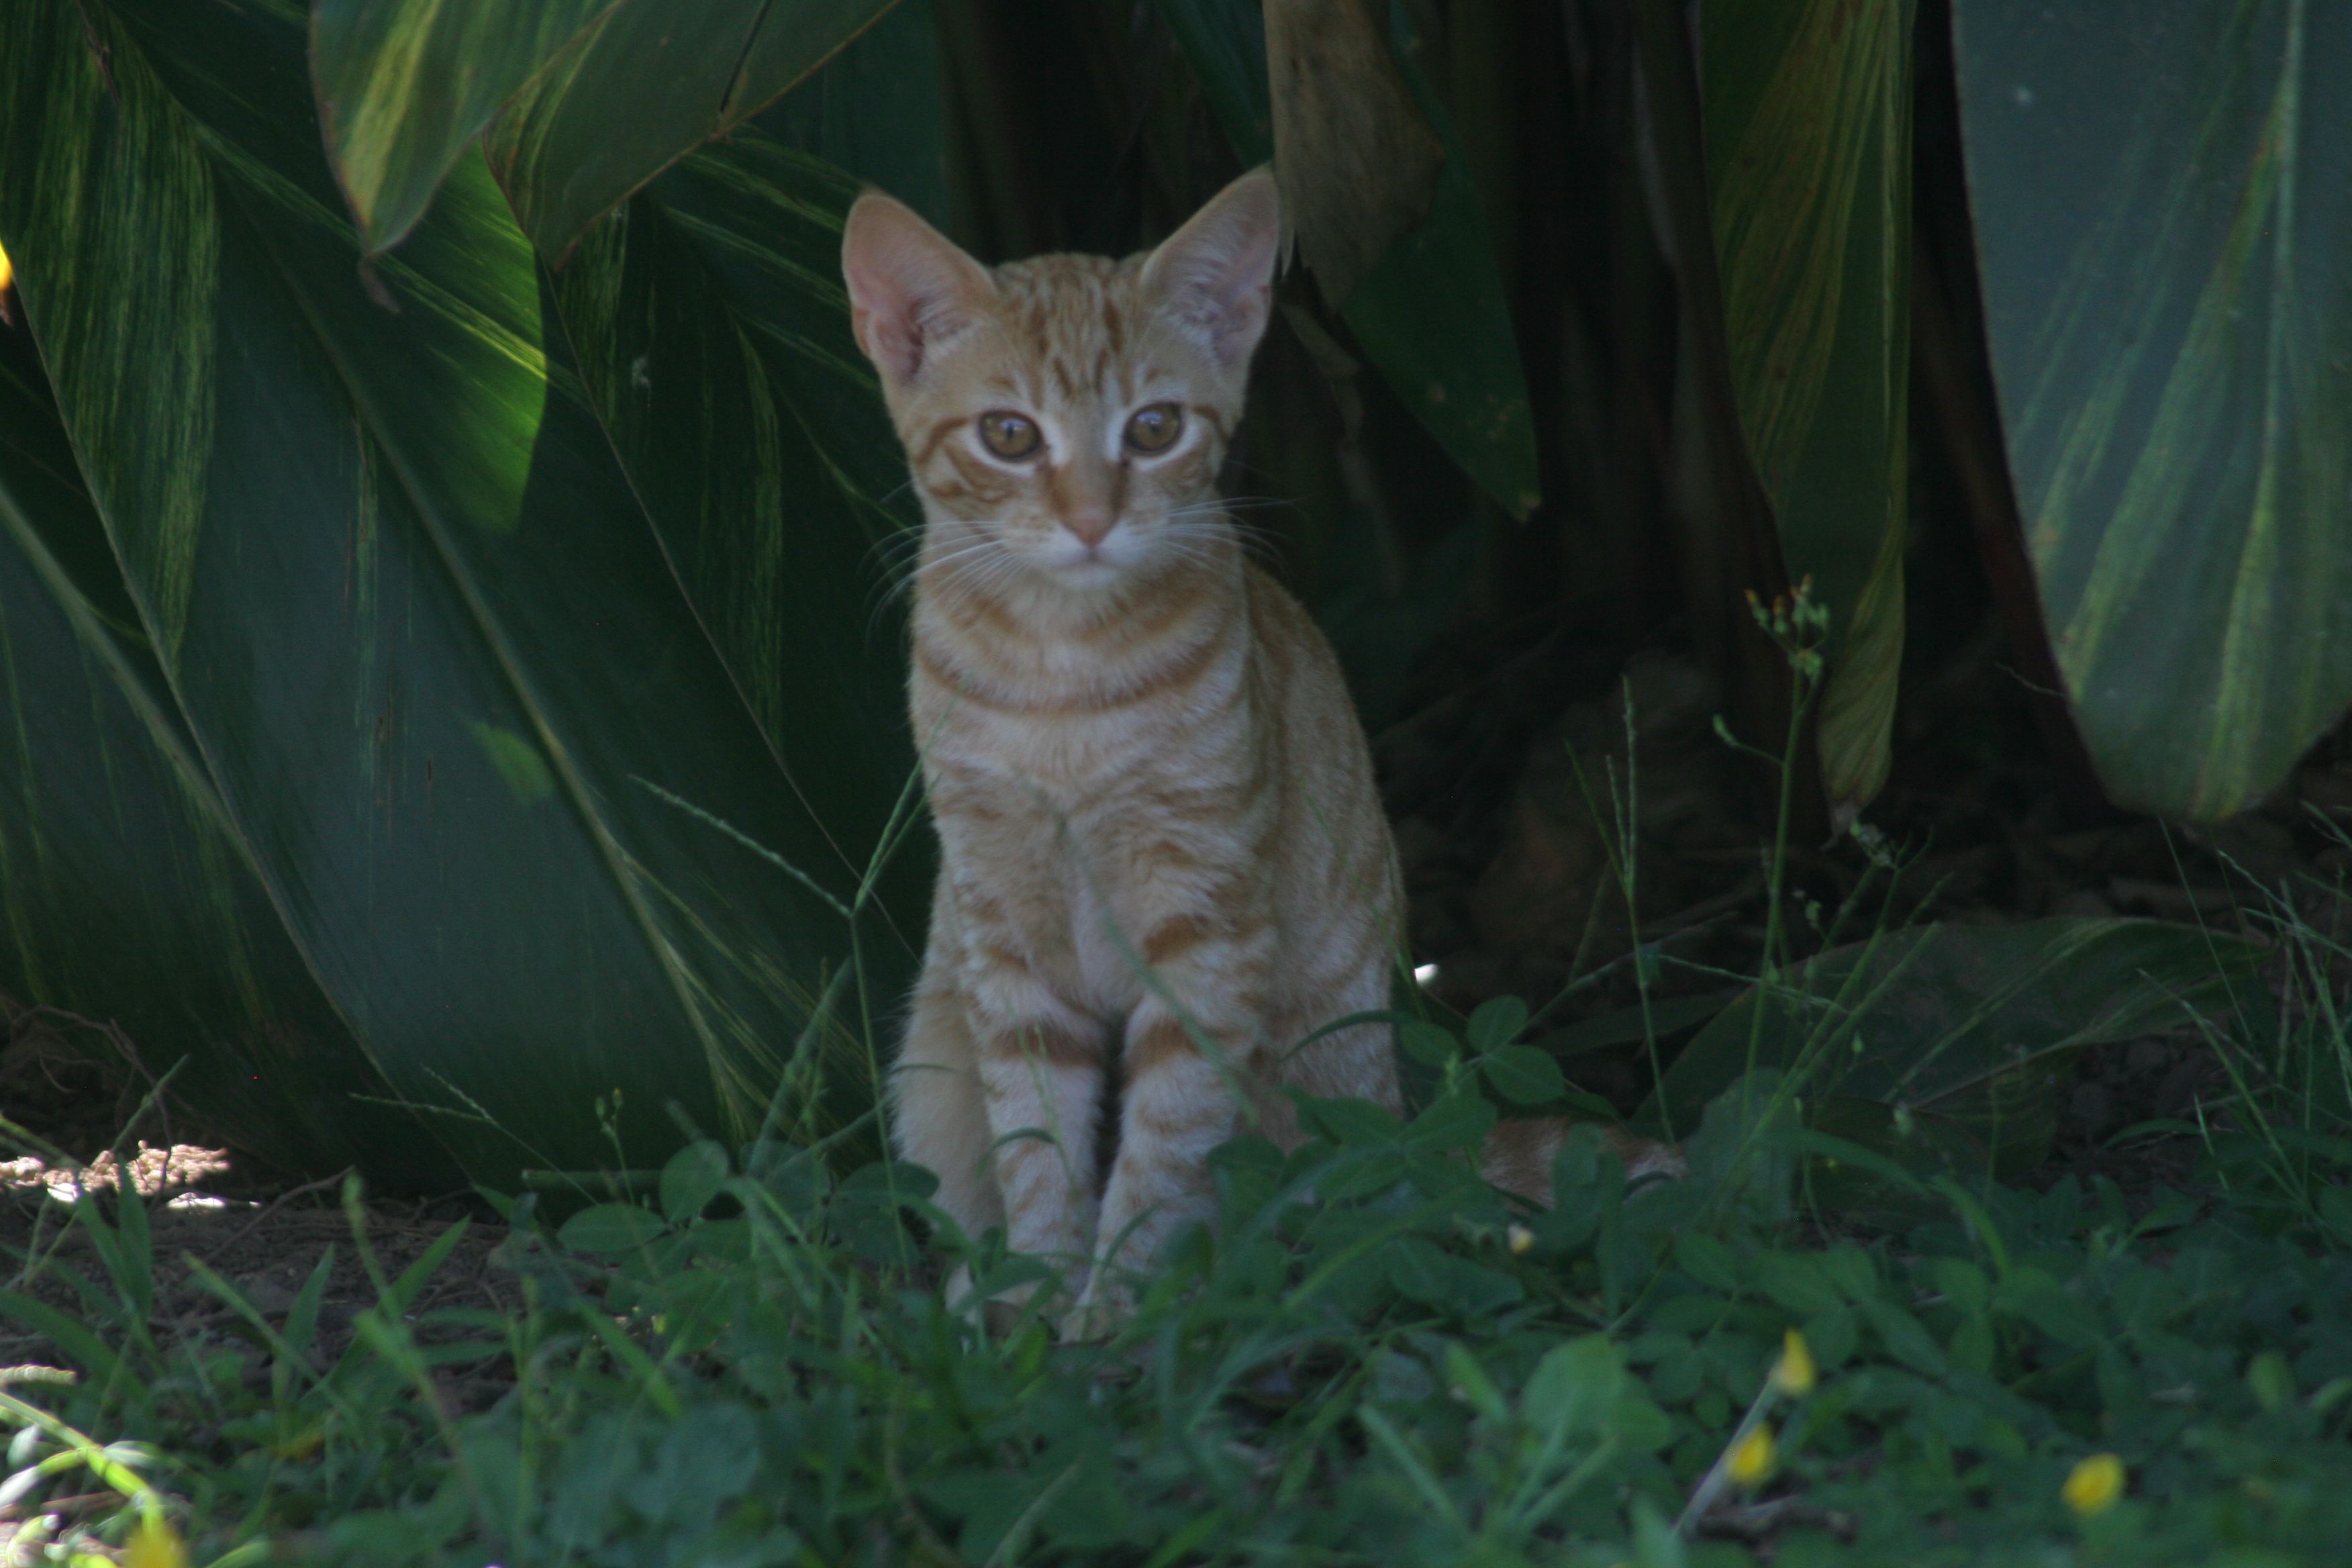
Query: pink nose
x,y
1089,524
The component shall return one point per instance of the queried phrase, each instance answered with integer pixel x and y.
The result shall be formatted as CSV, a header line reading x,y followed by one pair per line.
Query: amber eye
x,y
1155,429
1010,434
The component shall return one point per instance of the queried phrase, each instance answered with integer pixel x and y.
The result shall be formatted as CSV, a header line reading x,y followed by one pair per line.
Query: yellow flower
x,y
1519,1238
1751,1457
156,1545
1794,1373
2095,1485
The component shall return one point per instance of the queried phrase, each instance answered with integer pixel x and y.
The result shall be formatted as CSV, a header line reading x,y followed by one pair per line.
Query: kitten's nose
x,y
1085,494
1089,524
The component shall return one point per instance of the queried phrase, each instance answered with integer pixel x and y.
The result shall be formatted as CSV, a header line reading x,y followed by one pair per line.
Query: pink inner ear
x,y
1217,271
896,350
910,290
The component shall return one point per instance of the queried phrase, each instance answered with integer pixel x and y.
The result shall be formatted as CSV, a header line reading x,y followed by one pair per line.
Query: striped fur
x,y
1164,864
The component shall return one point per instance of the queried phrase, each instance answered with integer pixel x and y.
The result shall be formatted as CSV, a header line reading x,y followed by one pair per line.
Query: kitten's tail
x,y
1518,1155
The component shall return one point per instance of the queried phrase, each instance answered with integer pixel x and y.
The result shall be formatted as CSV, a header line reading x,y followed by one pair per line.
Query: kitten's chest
x,y
1104,966
1060,768
1054,882
1065,840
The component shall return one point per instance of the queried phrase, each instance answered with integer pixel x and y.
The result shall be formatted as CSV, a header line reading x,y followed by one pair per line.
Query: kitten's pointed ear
x,y
910,290
1215,275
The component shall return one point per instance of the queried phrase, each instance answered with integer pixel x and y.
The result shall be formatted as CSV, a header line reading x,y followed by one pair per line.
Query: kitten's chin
x,y
1090,574
1069,563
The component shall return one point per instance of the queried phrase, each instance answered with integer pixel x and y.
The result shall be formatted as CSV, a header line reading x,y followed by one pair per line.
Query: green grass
x,y
1373,1360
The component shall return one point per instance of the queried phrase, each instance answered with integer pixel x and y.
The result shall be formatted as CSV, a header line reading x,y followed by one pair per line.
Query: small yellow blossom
x,y
1752,1456
7,273
1519,1238
1794,1373
2095,1485
156,1545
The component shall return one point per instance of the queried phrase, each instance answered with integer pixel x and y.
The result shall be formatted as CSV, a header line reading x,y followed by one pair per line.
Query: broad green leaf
x,y
1458,1120
126,895
1633,1025
692,1178
1496,1023
646,83
1523,1074
1357,161
1962,1032
1426,1043
2163,205
398,581
877,111
1225,41
405,86
1417,1269
609,1227
1430,314
1808,123
713,331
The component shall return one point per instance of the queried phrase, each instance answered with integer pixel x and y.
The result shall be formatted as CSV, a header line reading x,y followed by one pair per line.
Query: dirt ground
x,y
261,1229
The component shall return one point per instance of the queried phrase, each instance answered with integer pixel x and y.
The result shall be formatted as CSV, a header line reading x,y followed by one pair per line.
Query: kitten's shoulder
x,y
1287,636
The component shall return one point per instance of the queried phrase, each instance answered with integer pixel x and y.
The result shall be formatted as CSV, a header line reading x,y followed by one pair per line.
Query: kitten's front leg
x,y
1041,1072
939,1112
1191,1052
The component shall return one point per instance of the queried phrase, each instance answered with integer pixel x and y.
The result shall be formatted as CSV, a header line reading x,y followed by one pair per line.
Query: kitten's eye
x,y
1155,429
1011,435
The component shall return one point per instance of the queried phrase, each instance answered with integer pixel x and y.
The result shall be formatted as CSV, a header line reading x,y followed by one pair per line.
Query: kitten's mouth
x,y
1085,561
1094,567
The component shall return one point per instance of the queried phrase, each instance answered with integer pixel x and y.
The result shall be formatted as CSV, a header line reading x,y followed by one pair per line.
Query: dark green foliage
x,y
1375,1359
1431,314
1955,1039
2164,269
427,647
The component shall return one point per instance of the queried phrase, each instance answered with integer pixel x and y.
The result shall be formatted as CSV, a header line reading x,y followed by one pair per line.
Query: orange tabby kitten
x,y
1159,832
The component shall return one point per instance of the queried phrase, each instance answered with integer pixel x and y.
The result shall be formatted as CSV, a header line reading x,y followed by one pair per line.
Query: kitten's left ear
x,y
1215,275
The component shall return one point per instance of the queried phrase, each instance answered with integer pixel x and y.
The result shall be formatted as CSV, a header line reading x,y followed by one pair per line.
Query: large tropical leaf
x,y
405,86
1725,544
1357,163
877,111
440,672
713,335
1430,313
1963,1031
126,898
642,86
2163,204
1808,123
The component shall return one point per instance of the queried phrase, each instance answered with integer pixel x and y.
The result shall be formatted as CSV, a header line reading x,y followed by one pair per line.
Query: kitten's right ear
x,y
1216,273
910,290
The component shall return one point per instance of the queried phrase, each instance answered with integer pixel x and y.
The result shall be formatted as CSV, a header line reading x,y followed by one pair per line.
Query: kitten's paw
x,y
956,1294
1089,1322
994,1316
1645,1158
1101,1311
1001,1312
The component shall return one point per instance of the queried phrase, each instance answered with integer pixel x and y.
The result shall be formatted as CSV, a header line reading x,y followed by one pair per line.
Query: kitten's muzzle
x,y
1091,525
1086,492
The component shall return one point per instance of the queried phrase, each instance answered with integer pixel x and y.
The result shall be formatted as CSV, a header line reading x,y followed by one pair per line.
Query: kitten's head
x,y
1067,415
